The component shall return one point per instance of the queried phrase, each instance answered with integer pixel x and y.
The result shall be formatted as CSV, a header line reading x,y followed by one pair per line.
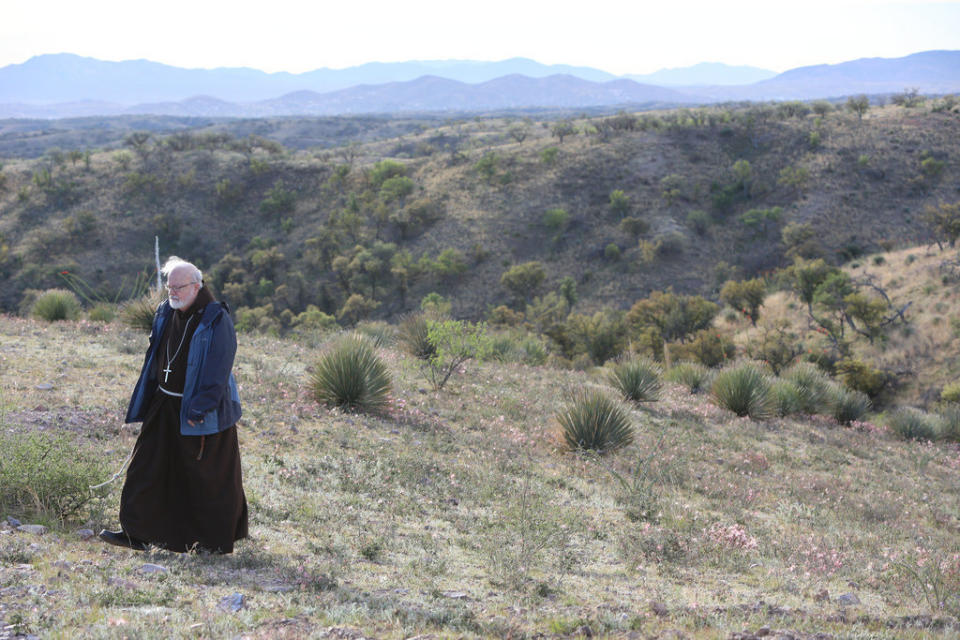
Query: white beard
x,y
175,304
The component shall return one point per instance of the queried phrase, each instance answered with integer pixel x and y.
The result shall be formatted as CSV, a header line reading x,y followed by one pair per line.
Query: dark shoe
x,y
121,539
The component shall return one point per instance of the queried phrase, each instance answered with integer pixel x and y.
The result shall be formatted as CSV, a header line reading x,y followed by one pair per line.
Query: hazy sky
x,y
619,36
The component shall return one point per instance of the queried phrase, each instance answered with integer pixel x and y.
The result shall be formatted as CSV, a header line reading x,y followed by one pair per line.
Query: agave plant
x,y
744,389
913,424
812,385
638,380
414,334
594,422
352,376
56,304
848,405
693,375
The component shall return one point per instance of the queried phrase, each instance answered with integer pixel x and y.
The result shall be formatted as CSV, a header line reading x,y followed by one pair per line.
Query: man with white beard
x,y
184,487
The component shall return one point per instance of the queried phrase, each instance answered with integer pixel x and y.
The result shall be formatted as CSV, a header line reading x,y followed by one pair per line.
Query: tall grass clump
x,y
913,424
351,376
46,475
744,389
812,385
56,304
413,333
594,422
693,375
637,380
848,405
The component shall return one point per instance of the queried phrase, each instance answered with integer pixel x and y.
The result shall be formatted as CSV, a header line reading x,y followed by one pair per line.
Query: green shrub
x,y
456,342
56,304
848,405
413,334
693,375
351,376
46,475
812,385
102,312
913,424
556,219
861,376
594,422
950,393
743,389
638,380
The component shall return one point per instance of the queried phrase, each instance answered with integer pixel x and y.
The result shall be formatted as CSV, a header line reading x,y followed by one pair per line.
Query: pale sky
x,y
619,36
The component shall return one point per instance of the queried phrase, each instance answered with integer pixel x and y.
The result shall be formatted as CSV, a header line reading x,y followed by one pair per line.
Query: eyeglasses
x,y
179,287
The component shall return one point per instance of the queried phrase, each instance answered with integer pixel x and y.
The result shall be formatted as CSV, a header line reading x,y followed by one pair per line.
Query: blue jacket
x,y
210,396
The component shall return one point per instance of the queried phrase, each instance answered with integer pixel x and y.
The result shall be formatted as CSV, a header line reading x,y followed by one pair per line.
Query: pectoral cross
x,y
166,372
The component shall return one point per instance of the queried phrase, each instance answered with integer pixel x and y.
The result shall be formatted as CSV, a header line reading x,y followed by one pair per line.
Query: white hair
x,y
173,262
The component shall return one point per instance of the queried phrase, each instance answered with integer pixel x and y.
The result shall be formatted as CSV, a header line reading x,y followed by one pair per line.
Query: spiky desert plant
x,y
380,333
743,389
102,312
913,424
138,313
414,335
812,385
637,380
594,422
352,376
786,397
847,404
949,423
693,375
56,304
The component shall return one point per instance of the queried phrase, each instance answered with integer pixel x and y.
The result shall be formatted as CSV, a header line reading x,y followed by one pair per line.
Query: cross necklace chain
x,y
166,372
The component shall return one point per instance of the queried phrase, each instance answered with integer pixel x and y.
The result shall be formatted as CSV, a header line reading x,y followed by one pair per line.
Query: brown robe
x,y
183,493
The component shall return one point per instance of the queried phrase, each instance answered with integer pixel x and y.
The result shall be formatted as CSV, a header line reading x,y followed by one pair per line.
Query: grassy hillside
x,y
460,513
624,205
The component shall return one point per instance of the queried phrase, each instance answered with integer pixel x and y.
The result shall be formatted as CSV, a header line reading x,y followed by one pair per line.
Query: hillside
x,y
449,209
459,513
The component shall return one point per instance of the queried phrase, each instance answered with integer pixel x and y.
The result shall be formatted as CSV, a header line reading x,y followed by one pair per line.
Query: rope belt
x,y
170,393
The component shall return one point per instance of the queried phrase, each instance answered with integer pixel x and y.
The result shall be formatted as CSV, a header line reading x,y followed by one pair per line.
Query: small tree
x,y
523,280
563,129
619,203
745,296
455,342
858,105
944,223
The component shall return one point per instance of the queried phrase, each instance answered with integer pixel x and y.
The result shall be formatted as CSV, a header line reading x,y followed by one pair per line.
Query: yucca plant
x,y
380,333
637,380
913,424
102,312
693,375
812,385
594,422
744,389
847,404
949,423
56,304
414,335
786,397
138,313
352,376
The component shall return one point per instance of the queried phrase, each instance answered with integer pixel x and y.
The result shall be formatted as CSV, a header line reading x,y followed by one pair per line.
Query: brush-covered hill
x,y
622,205
460,513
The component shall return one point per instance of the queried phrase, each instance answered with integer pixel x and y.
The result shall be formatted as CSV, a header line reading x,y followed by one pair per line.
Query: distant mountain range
x,y
66,85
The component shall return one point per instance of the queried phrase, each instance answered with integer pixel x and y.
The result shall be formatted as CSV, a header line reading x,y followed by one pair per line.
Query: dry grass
x,y
459,514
